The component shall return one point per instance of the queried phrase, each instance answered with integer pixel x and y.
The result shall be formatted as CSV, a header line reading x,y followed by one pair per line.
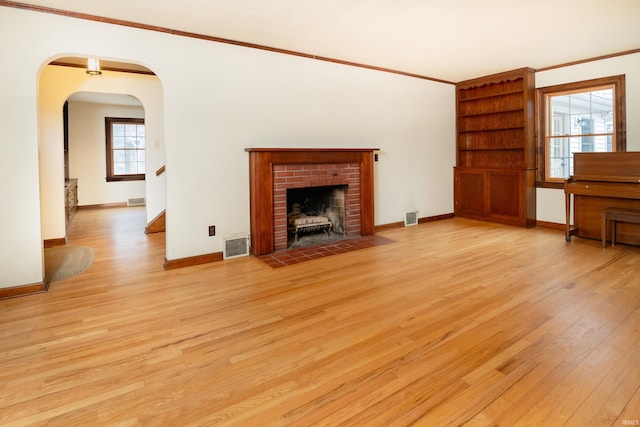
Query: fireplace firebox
x,y
317,214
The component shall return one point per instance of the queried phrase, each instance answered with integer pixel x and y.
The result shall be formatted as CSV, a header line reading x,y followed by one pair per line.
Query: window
x,y
579,117
125,149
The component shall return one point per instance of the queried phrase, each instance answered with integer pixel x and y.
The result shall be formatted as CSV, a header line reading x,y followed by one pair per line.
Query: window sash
x,y
125,144
563,140
563,132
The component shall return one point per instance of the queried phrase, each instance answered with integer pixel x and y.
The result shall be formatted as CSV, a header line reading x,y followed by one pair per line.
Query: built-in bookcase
x,y
495,171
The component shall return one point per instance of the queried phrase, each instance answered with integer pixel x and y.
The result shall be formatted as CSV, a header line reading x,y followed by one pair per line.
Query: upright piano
x,y
601,181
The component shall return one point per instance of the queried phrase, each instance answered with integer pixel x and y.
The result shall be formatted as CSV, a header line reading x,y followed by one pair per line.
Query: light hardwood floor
x,y
456,323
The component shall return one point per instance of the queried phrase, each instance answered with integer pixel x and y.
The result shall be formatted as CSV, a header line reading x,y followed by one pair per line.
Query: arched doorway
x,y
123,90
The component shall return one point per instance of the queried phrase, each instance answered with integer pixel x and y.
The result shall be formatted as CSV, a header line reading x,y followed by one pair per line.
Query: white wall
x,y
87,154
235,98
251,98
550,202
20,236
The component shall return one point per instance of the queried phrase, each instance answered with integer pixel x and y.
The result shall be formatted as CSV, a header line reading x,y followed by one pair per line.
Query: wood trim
x,y
390,226
193,260
50,243
104,206
261,202
553,225
519,73
108,127
23,290
436,218
157,224
422,220
261,161
584,61
367,206
308,150
121,178
188,34
619,84
160,171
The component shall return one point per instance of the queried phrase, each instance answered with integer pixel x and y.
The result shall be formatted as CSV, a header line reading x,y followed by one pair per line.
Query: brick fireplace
x,y
273,171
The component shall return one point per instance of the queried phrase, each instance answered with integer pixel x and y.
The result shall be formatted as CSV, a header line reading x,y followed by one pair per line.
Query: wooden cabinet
x,y
498,195
71,198
494,178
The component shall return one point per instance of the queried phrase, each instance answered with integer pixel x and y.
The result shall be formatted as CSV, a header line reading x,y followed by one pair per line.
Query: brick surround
x,y
286,176
352,167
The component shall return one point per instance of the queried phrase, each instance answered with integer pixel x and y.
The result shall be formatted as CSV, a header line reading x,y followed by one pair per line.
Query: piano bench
x,y
614,215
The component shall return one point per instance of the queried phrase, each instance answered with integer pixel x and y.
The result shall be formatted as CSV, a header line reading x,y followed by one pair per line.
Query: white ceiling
x,y
452,40
105,98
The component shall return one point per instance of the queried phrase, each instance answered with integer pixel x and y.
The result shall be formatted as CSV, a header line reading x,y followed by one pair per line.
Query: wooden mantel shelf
x,y
311,155
261,161
309,149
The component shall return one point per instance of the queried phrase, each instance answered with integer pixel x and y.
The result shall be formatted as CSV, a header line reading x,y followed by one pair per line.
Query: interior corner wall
x,y
238,98
550,202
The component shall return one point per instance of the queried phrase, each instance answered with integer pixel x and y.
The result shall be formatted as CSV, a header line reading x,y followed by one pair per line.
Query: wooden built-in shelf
x,y
495,174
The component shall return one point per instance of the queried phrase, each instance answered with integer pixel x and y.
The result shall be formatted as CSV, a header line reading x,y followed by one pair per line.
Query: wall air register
x,y
139,201
234,247
410,218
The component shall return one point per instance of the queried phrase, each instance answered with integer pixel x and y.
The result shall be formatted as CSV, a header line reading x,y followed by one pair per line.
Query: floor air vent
x,y
136,202
410,218
235,247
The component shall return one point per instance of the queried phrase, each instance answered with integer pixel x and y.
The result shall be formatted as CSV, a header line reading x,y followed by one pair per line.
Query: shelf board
x,y
492,149
495,95
498,169
491,130
492,113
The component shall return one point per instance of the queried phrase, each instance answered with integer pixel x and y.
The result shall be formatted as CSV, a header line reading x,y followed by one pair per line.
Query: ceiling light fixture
x,y
93,67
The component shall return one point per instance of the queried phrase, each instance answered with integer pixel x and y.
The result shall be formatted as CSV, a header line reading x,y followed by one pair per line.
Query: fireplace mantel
x,y
261,162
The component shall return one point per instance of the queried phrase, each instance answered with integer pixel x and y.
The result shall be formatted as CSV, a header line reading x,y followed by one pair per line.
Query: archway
x,y
122,88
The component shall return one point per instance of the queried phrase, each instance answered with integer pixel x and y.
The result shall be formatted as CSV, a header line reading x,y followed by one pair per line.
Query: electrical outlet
x,y
212,230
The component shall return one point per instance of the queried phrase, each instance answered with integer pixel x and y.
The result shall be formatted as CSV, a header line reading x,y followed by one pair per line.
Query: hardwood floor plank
x,y
610,396
555,408
630,411
456,322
